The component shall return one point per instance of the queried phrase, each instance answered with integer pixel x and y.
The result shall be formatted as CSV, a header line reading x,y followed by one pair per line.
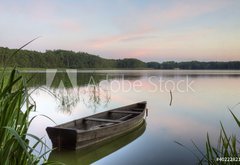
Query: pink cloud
x,y
42,10
153,20
69,25
183,11
119,38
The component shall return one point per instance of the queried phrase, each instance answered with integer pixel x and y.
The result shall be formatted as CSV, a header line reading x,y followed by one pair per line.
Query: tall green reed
x,y
227,150
15,108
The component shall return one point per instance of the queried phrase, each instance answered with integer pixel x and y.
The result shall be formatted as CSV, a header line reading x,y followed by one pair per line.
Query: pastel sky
x,y
150,30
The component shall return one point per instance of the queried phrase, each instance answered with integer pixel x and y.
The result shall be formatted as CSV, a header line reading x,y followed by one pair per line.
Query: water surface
x,y
200,101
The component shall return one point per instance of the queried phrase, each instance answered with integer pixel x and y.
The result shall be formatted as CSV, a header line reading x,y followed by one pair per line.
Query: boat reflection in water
x,y
96,152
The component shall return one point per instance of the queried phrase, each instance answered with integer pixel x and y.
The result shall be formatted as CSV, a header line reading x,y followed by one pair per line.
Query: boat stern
x,y
62,138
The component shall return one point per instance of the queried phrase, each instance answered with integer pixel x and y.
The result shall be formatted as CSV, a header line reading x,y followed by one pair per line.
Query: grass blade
x,y
235,118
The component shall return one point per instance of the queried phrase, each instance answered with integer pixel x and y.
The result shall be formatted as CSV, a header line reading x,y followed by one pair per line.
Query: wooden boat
x,y
99,151
97,128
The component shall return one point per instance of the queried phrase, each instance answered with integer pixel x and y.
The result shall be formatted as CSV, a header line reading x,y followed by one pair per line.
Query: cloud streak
x,y
153,20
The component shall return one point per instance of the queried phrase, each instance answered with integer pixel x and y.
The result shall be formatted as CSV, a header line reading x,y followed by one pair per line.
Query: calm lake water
x,y
200,101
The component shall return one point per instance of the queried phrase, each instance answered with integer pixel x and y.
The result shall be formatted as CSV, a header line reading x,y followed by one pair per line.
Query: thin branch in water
x,y
171,98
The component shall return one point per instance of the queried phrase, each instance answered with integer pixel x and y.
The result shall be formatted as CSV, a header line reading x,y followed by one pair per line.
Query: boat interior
x,y
107,118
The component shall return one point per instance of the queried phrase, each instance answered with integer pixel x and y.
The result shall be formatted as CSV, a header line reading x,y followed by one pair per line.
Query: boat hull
x,y
73,138
98,151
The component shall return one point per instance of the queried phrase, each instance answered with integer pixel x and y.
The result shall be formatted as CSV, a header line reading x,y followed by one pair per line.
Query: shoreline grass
x,y
15,107
226,152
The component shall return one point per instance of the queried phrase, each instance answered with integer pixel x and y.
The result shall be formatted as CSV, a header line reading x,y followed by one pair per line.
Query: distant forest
x,y
82,60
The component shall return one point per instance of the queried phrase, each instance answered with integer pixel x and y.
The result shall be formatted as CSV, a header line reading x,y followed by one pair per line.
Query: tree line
x,y
62,59
80,60
195,65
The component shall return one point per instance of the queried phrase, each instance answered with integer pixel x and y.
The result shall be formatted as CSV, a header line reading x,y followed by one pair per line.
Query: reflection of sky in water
x,y
190,117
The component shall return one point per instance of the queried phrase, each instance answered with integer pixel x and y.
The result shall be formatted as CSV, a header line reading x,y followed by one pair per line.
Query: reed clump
x,y
227,150
15,107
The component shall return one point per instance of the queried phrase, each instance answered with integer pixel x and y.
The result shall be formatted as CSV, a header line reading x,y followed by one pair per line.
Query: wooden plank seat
x,y
100,126
137,109
103,120
128,112
125,117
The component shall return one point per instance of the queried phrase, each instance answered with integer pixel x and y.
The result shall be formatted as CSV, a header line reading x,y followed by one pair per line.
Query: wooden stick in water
x,y
171,98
